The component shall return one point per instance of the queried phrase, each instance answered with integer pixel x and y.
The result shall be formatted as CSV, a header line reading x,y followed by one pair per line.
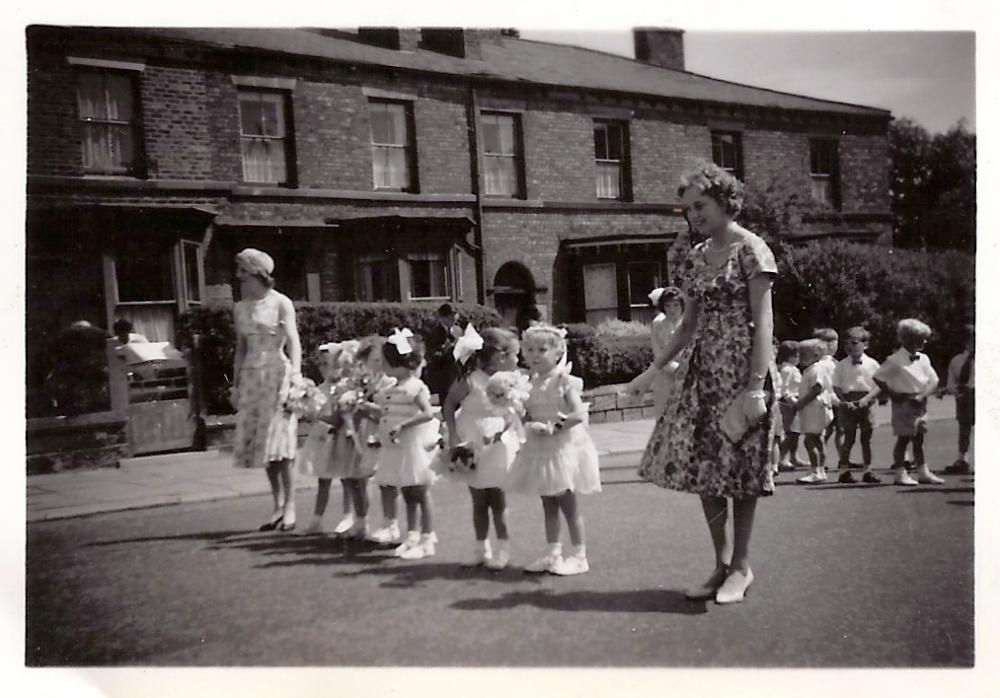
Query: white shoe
x,y
345,525
544,564
386,534
812,479
568,566
734,589
926,477
412,540
480,556
903,478
425,548
500,559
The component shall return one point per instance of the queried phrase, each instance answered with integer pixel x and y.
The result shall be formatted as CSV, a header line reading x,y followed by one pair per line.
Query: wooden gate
x,y
160,417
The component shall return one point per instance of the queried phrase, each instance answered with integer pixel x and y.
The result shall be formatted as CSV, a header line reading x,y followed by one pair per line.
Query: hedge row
x,y
839,285
317,323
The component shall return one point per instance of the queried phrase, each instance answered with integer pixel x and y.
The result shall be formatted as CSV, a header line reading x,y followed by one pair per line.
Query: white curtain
x,y
608,180
154,322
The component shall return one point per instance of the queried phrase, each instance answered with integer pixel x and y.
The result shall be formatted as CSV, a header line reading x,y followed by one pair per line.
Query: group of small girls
x,y
820,397
504,431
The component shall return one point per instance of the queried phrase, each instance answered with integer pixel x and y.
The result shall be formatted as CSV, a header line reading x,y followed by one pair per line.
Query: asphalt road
x,y
847,576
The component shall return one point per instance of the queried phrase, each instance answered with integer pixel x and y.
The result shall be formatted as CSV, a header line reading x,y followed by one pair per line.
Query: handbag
x,y
735,421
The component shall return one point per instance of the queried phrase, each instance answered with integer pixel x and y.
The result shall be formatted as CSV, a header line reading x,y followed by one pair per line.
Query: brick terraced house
x,y
395,164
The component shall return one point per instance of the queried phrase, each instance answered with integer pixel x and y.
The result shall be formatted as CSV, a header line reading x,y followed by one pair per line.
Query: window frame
x,y
137,166
443,258
817,146
409,147
362,262
517,156
287,138
624,163
717,136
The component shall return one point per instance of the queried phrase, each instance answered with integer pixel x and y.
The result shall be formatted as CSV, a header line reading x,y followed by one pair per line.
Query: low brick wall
x,y
55,444
609,404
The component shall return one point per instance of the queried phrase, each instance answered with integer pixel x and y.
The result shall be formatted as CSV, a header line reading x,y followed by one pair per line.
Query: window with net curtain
x,y
263,134
428,275
727,152
609,155
392,145
823,168
501,154
106,103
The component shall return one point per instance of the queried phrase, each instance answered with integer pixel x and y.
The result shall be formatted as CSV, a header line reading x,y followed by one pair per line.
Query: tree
x,y
933,186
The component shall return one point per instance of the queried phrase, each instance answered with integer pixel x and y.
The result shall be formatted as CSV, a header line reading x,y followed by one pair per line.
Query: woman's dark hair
x,y
412,360
495,341
122,326
670,293
786,350
368,346
715,183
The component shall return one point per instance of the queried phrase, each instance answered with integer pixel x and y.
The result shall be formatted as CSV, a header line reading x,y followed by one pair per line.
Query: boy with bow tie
x,y
962,384
908,378
853,384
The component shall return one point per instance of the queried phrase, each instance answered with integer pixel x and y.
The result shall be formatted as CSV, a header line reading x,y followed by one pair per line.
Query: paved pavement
x,y
183,478
846,576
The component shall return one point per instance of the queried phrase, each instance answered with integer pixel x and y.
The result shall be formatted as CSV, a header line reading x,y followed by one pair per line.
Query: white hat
x,y
654,295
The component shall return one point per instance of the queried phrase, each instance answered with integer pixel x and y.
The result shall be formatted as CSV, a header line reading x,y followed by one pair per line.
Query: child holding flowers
x,y
320,457
408,433
481,414
558,460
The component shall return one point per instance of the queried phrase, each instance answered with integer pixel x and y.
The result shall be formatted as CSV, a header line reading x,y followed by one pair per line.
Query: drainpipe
x,y
477,213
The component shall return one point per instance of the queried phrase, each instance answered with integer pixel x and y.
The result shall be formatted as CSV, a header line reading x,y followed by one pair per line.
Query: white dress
x,y
659,380
480,419
407,462
567,460
315,458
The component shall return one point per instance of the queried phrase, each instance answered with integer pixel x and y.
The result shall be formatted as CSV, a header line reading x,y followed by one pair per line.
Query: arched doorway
x,y
513,291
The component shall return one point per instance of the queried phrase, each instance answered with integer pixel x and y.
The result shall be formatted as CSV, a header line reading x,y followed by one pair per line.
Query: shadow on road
x,y
209,536
641,601
939,490
406,575
961,502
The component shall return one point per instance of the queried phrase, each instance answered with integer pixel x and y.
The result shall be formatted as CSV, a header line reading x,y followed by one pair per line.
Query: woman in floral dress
x,y
266,432
727,330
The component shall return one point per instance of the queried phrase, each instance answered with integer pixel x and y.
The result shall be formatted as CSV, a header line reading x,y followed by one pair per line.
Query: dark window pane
x,y
615,145
600,142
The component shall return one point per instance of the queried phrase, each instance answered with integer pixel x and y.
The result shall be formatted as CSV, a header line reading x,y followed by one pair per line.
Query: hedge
x,y
839,285
605,360
317,323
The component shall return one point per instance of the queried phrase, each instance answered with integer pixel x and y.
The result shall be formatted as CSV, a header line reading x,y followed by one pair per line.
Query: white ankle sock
x,y
555,548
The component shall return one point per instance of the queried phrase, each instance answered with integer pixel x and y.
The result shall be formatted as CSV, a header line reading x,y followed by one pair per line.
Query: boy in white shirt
x,y
852,382
908,378
962,384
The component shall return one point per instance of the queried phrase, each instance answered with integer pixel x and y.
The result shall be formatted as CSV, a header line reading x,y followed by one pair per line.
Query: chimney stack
x,y
659,46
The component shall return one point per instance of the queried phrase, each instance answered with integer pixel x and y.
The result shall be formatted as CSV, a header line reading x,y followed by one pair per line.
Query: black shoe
x,y
272,524
870,478
846,478
959,467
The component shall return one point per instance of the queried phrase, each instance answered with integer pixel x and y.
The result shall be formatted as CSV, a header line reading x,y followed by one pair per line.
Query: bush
x,y
839,285
606,360
621,328
317,323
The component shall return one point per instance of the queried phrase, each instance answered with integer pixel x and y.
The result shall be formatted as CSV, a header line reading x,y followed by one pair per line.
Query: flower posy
x,y
508,389
304,398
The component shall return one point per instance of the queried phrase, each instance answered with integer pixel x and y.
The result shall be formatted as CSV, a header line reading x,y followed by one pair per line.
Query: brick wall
x,y
776,156
559,155
661,151
864,166
175,123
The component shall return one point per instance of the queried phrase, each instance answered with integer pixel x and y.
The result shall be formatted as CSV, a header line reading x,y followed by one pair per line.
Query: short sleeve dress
x,y
688,450
405,463
265,431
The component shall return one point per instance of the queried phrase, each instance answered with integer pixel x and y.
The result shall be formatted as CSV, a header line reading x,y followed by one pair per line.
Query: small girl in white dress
x,y
814,406
486,430
558,460
408,434
317,458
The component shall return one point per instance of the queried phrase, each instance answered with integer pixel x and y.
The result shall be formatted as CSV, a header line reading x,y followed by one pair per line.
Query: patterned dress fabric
x,y
265,431
688,450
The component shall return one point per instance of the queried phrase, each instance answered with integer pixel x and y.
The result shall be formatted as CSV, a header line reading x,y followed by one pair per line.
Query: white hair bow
x,y
400,338
350,346
467,345
654,295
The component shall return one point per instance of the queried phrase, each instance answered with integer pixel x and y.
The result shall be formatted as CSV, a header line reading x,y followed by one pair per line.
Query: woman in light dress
x,y
268,357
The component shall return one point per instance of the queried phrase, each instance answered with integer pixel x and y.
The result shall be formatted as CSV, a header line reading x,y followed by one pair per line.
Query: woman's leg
x,y
287,469
717,517
274,479
744,509
899,453
389,494
359,496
